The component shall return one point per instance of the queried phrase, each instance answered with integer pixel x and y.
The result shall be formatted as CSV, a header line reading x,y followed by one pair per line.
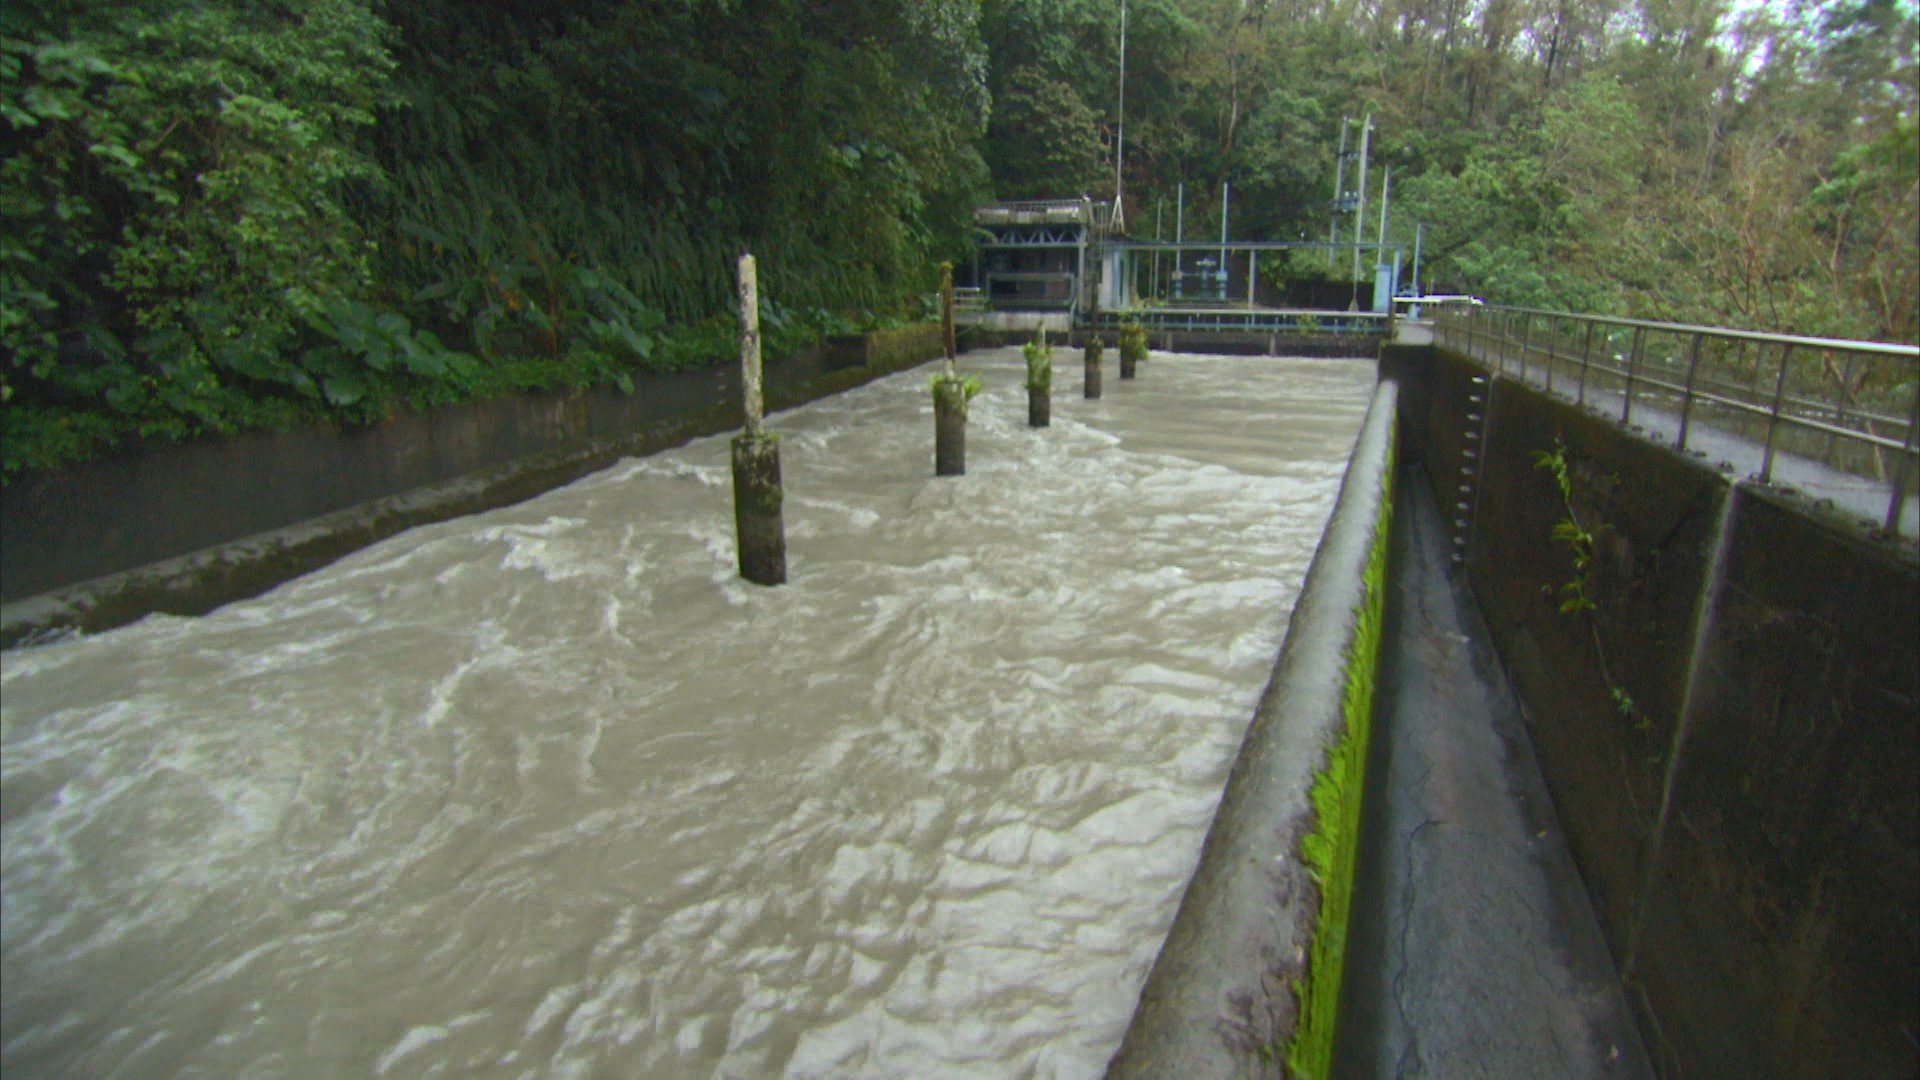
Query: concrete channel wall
x,y
183,529
1221,1000
1731,731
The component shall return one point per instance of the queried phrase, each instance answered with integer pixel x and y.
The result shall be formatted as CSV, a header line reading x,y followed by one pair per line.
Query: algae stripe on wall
x,y
1332,850
1225,995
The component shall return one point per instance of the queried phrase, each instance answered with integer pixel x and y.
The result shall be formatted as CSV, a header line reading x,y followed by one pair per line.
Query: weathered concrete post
x,y
1093,367
1039,381
762,533
1133,348
949,394
946,314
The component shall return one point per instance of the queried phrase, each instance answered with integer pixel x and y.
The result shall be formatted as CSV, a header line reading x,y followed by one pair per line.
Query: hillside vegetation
x,y
232,215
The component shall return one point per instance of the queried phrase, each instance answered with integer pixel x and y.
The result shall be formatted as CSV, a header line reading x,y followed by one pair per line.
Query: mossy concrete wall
x,y
1222,998
185,528
1731,735
884,349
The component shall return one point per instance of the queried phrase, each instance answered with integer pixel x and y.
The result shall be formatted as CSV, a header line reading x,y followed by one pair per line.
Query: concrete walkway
x,y
1474,952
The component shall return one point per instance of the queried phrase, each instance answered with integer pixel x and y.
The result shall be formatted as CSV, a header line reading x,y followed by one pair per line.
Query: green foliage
x,y
221,215
1039,363
1045,141
1332,850
226,215
956,390
1133,340
175,202
1569,531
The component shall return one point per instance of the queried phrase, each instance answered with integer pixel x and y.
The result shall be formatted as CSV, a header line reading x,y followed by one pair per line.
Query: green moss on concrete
x,y
1332,849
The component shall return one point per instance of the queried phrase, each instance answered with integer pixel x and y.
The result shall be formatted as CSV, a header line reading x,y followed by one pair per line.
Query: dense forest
x,y
235,214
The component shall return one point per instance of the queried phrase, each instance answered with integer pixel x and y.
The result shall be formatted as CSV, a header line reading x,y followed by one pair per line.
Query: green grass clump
x,y
1332,850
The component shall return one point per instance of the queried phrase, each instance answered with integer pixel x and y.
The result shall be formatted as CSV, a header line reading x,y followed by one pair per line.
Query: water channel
x,y
548,791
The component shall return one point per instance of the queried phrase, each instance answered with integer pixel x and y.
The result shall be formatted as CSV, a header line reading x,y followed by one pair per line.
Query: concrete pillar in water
x,y
1093,367
949,395
1133,349
1039,381
949,426
758,523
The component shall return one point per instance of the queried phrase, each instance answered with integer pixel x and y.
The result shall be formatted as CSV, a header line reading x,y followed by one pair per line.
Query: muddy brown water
x,y
549,791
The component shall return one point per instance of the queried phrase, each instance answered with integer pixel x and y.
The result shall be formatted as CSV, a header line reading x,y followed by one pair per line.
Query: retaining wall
x,y
1731,734
185,528
1221,998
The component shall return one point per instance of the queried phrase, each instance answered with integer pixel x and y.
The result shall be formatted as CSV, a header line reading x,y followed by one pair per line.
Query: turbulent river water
x,y
548,791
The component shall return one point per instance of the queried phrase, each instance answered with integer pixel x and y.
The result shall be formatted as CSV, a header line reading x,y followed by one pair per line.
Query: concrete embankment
x,y
1223,996
1720,681
183,529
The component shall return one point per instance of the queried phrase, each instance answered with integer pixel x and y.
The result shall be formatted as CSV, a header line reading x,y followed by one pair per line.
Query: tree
x,y
1045,140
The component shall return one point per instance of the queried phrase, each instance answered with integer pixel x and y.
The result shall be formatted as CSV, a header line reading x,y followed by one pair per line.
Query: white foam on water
x,y
551,791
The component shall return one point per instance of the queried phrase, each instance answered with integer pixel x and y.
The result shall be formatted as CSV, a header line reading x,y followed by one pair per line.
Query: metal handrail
x,y
1881,348
1642,374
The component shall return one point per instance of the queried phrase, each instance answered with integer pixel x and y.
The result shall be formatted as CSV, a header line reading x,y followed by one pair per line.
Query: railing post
x,y
1686,403
1633,358
1904,467
1840,408
1586,358
1526,342
1554,325
1773,414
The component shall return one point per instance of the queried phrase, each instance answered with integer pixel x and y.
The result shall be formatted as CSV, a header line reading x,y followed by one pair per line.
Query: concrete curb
x,y
1220,1000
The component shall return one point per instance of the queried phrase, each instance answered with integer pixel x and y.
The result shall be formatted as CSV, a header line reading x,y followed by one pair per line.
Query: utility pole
x,y
1360,208
1380,239
1419,233
1179,234
1226,190
1120,135
1339,188
1159,211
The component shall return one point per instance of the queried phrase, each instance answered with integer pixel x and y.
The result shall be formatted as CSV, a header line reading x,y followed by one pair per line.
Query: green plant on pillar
x,y
956,390
1133,340
1332,850
1039,356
